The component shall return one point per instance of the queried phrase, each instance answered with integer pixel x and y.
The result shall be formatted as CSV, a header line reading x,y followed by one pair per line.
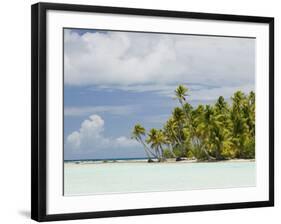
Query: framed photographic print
x,y
140,111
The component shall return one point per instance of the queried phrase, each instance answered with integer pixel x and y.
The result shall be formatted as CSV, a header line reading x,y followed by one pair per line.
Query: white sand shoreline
x,y
128,177
135,161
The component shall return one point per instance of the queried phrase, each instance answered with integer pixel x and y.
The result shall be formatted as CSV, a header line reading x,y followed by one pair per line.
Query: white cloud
x,y
157,119
196,91
214,93
135,61
125,142
166,90
85,111
74,140
90,137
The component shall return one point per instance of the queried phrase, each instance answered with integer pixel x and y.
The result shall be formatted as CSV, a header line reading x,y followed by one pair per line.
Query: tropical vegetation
x,y
206,132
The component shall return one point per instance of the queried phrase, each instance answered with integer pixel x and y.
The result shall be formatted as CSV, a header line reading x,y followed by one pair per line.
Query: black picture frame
x,y
39,107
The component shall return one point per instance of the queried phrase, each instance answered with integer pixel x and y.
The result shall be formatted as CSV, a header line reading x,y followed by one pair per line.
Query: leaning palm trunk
x,y
218,152
147,150
177,139
210,158
184,111
162,154
147,154
181,141
198,144
158,156
171,150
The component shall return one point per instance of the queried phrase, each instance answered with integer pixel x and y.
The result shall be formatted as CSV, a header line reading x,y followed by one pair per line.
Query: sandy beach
x,y
88,177
185,160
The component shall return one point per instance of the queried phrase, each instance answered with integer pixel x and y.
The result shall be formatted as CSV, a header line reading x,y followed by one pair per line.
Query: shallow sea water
x,y
122,177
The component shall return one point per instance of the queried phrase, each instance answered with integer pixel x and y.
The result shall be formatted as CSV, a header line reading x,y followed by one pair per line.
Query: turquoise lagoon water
x,y
125,177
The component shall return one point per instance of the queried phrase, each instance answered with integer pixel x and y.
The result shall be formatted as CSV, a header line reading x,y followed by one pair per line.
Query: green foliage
x,y
197,152
168,154
207,132
157,139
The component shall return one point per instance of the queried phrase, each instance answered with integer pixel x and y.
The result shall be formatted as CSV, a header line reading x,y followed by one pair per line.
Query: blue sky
x,y
114,80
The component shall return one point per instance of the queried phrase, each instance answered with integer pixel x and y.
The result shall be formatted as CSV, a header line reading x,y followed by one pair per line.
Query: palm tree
x,y
250,113
238,101
239,122
151,139
206,121
178,117
221,141
180,94
157,139
187,108
161,140
138,133
243,119
221,105
219,131
222,134
171,136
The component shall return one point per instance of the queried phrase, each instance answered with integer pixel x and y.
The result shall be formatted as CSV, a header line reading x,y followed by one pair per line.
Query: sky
x,y
113,80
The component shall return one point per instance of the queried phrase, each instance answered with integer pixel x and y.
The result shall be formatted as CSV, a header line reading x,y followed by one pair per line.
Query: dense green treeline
x,y
207,132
